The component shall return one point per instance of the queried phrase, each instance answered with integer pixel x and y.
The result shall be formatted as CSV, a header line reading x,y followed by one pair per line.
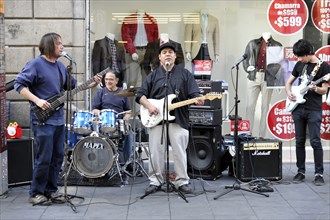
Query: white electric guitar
x,y
300,91
150,121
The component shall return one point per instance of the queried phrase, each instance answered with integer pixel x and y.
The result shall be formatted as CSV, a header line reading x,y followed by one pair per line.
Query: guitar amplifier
x,y
260,159
204,116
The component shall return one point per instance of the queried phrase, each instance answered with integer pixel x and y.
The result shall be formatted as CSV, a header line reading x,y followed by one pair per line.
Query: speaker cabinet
x,y
20,160
204,152
260,159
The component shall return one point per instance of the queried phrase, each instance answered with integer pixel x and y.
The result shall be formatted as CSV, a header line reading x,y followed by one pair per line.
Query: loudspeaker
x,y
20,160
204,152
260,159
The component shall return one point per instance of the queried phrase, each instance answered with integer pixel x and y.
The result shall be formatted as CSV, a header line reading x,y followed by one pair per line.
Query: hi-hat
x,y
127,92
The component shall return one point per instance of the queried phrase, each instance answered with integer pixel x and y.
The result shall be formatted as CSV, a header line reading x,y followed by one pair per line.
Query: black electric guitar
x,y
57,101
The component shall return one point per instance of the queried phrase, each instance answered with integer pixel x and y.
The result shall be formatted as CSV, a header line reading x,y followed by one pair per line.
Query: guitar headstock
x,y
213,95
100,74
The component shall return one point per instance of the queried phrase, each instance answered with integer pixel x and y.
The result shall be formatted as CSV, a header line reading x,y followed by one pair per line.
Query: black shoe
x,y
299,178
318,181
152,189
186,189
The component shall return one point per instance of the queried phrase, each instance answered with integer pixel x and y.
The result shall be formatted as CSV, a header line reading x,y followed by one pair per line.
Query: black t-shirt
x,y
313,99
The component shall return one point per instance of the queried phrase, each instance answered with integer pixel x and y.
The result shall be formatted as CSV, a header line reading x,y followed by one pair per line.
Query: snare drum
x,y
81,122
124,126
108,120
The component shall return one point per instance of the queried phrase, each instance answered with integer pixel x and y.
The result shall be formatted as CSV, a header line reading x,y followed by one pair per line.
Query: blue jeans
x,y
48,158
312,119
125,148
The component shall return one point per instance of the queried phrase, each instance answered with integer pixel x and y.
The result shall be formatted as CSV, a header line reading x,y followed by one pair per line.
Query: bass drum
x,y
93,157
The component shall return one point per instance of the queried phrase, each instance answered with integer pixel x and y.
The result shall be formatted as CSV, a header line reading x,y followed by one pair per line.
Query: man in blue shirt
x,y
41,79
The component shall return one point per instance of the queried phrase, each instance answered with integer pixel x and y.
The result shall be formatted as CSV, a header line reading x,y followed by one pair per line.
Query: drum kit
x,y
95,153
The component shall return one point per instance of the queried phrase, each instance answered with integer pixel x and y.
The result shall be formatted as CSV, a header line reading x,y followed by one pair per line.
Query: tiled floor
x,y
288,201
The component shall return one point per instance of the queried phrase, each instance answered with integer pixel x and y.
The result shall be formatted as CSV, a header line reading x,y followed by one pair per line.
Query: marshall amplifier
x,y
260,159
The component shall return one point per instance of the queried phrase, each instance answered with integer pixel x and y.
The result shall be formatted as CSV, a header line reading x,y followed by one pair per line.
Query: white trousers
x,y
178,138
254,89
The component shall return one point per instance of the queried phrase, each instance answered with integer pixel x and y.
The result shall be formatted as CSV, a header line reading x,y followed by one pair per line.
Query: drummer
x,y
106,98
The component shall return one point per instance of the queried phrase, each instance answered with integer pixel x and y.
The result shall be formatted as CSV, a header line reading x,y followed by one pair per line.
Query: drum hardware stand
x,y
66,171
170,187
137,166
237,185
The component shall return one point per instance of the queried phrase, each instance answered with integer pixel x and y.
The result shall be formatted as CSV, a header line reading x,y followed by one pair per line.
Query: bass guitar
x,y
150,121
300,91
57,102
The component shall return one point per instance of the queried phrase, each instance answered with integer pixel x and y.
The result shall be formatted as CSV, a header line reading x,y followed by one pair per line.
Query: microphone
x,y
66,55
167,65
239,61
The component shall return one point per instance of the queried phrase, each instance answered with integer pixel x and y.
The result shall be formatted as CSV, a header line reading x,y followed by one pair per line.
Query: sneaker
x,y
186,189
39,200
318,181
299,178
152,189
55,197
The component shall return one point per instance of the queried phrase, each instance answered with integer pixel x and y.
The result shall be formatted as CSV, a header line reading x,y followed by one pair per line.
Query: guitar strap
x,y
302,73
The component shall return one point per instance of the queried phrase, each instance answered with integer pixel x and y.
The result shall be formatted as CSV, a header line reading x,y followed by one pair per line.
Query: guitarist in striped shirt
x,y
308,114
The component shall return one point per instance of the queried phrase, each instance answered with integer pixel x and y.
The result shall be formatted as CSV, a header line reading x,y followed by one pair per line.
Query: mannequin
x,y
151,59
110,36
108,52
256,67
137,30
206,32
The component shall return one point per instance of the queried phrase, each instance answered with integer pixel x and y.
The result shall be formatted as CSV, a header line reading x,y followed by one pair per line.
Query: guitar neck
x,y
313,82
183,103
79,88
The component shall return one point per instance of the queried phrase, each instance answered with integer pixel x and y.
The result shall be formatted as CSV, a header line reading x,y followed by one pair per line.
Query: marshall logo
x,y
92,145
261,153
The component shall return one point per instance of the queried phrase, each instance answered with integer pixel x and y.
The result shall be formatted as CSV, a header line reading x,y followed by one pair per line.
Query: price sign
x,y
287,17
324,53
280,122
321,15
325,125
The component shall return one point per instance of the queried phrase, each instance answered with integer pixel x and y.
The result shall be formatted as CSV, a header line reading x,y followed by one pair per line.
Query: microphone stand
x,y
67,139
237,184
169,186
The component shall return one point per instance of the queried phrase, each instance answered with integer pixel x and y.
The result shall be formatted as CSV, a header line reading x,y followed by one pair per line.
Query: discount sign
x,y
287,17
280,122
325,126
324,53
321,15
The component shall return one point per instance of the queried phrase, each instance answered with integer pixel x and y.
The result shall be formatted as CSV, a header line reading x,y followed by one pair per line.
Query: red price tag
x,y
280,122
321,15
287,17
325,125
324,53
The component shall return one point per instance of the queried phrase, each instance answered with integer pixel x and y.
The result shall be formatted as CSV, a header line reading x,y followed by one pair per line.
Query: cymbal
x,y
127,92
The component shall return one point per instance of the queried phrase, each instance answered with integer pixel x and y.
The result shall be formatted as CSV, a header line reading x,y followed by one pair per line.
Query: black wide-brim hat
x,y
167,45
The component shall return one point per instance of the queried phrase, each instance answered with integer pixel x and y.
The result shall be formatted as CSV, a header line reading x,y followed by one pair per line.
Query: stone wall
x,y
26,21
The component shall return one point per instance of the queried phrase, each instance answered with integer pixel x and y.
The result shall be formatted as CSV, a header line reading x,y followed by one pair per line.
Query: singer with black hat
x,y
41,79
181,82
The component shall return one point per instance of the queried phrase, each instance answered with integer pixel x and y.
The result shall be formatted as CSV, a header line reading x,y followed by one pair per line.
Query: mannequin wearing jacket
x,y
151,60
102,56
205,33
255,66
137,30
